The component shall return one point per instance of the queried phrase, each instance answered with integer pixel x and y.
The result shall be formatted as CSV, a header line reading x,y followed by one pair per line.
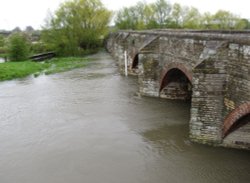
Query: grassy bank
x,y
13,70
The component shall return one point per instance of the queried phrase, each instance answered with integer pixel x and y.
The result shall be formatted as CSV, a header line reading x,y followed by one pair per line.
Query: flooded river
x,y
89,126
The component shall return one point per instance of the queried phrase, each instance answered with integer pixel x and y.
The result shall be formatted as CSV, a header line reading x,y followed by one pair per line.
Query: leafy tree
x,y
240,24
16,30
192,20
1,40
207,20
18,47
162,12
246,23
226,20
149,17
176,16
132,17
77,26
124,20
29,29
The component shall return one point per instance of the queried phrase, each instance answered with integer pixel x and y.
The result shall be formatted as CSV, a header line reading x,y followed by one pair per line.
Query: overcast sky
x,y
22,13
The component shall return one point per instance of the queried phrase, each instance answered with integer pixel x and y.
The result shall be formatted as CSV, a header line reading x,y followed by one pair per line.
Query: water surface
x,y
89,126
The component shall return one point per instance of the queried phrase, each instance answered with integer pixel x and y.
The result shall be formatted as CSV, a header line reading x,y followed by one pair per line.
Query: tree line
x,y
78,27
163,14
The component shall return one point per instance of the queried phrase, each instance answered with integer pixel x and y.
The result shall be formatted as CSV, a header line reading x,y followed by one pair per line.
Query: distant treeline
x,y
163,14
33,34
78,27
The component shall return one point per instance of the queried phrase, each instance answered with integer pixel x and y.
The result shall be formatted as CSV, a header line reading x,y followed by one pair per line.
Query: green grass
x,y
13,70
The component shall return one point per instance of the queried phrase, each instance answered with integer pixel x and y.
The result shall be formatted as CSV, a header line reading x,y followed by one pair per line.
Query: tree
x,y
176,16
131,17
192,19
124,20
18,47
29,29
149,17
246,23
16,30
206,20
1,41
77,26
162,12
226,20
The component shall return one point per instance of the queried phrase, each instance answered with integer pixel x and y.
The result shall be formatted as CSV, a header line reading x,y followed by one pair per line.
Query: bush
x,y
39,47
18,47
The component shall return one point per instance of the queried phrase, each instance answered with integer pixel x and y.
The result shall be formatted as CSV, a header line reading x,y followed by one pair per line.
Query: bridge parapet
x,y
212,68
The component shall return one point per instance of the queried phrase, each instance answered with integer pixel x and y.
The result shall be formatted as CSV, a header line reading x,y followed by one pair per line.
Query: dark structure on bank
x,y
43,56
210,68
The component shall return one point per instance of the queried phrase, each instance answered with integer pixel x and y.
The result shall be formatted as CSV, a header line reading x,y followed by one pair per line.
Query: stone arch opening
x,y
135,62
236,119
176,83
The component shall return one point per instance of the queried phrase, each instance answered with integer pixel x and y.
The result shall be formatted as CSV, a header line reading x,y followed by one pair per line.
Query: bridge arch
x,y
135,49
180,78
135,61
237,118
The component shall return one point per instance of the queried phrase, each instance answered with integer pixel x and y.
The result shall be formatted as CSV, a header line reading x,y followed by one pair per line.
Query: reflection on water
x,y
88,125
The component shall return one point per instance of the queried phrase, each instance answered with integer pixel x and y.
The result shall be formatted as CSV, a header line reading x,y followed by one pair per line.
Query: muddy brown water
x,y
89,125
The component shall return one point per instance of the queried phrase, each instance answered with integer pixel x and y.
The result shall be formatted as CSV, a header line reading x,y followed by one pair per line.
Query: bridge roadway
x,y
209,68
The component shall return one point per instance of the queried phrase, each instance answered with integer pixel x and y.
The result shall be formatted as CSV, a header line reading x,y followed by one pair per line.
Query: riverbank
x,y
14,70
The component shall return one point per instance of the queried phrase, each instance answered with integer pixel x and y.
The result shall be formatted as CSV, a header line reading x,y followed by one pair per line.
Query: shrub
x,y
38,47
18,47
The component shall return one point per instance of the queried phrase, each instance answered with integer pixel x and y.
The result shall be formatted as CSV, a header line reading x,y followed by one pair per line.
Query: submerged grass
x,y
13,70
65,64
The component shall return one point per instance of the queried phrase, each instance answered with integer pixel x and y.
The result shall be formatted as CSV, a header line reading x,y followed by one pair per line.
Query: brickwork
x,y
179,66
234,116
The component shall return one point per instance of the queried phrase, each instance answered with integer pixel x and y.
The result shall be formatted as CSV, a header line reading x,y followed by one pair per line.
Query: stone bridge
x,y
209,68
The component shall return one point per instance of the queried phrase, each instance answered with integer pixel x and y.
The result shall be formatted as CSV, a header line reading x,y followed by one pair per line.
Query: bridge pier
x,y
148,74
206,109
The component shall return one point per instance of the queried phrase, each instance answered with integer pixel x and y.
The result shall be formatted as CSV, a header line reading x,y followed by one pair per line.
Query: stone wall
x,y
209,81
